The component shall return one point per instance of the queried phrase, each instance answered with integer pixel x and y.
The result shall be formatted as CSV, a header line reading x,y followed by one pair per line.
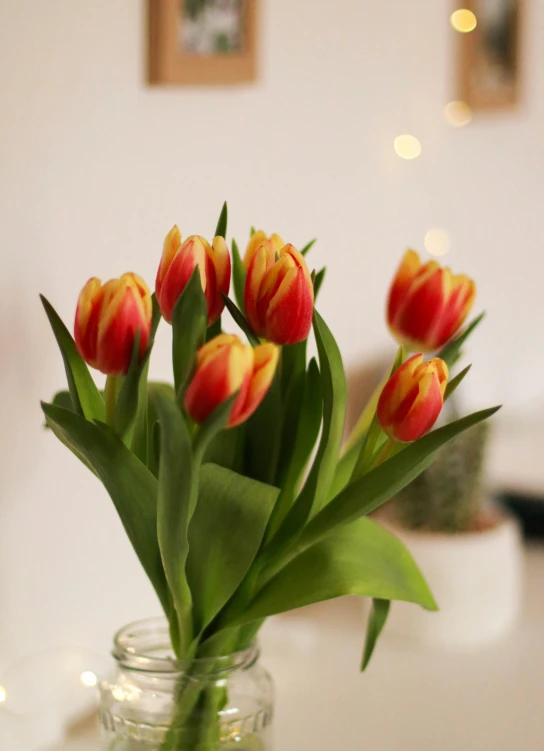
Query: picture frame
x,y
490,57
202,42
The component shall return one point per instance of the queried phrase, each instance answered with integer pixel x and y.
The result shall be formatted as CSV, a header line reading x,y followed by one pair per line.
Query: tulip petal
x,y
265,362
424,411
191,254
254,279
87,318
171,245
408,268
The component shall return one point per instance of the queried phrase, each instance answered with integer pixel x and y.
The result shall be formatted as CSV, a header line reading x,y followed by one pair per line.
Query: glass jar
x,y
156,702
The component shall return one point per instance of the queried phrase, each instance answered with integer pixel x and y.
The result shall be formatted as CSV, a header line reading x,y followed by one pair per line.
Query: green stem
x,y
111,392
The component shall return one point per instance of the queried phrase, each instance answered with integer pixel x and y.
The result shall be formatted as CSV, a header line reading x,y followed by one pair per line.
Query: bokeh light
x,y
437,242
463,20
88,678
407,146
3,694
458,113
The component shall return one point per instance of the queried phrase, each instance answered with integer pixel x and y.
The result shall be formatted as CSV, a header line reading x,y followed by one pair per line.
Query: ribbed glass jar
x,y
155,702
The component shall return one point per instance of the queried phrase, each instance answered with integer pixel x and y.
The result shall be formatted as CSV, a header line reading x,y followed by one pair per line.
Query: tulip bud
x,y
427,304
225,365
273,244
279,295
177,265
107,319
412,398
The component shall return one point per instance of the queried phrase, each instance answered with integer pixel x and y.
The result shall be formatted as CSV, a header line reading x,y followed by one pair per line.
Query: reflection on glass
x,y
211,27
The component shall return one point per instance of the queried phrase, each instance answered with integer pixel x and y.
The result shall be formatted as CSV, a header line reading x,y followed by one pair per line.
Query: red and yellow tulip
x,y
107,319
178,262
225,365
427,303
279,294
274,243
412,398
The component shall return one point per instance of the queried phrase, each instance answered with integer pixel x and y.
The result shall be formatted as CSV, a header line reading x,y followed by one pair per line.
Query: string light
x,y
88,678
437,242
463,21
458,113
407,146
3,694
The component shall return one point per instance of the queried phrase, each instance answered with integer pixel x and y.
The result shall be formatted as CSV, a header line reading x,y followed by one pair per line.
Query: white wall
x,y
96,167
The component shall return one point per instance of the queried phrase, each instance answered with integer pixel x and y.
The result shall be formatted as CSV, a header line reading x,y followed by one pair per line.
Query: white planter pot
x,y
476,579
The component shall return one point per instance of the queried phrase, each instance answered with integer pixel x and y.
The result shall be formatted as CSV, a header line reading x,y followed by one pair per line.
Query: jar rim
x,y
145,646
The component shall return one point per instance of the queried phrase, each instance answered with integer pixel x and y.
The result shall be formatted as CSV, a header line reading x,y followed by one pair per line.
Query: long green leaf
x,y
224,537
456,382
189,325
316,489
86,397
376,622
361,558
176,501
221,228
126,407
132,488
453,351
263,436
241,320
238,276
308,246
318,281
375,488
306,431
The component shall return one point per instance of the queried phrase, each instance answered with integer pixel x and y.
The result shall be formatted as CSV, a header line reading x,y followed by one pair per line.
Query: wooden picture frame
x,y
490,58
169,63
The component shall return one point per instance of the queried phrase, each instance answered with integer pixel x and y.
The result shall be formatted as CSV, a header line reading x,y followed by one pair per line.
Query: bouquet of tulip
x,y
231,513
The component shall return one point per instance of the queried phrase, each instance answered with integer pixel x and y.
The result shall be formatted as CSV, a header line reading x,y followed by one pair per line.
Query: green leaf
x,y
238,275
306,432
224,537
308,246
252,231
318,281
132,488
455,382
359,559
126,406
316,489
221,229
376,622
156,317
292,365
213,330
86,397
227,449
63,399
380,484
189,325
176,502
263,436
240,319
452,351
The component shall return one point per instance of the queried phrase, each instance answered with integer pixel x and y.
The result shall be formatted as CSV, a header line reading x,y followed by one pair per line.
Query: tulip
x,y
224,366
177,265
412,398
427,304
273,243
108,318
279,295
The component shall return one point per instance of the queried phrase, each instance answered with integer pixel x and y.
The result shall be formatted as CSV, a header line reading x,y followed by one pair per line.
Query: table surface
x,y
412,698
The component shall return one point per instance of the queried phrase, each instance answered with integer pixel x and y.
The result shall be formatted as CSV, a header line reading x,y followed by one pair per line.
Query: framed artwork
x,y
490,55
202,41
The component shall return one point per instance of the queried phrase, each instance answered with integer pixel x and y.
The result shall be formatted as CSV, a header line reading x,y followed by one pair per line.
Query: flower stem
x,y
111,392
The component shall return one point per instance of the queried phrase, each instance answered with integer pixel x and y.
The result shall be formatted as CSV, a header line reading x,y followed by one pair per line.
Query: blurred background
x,y
96,165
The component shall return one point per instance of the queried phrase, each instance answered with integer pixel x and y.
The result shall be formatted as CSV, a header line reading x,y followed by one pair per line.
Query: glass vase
x,y
158,703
